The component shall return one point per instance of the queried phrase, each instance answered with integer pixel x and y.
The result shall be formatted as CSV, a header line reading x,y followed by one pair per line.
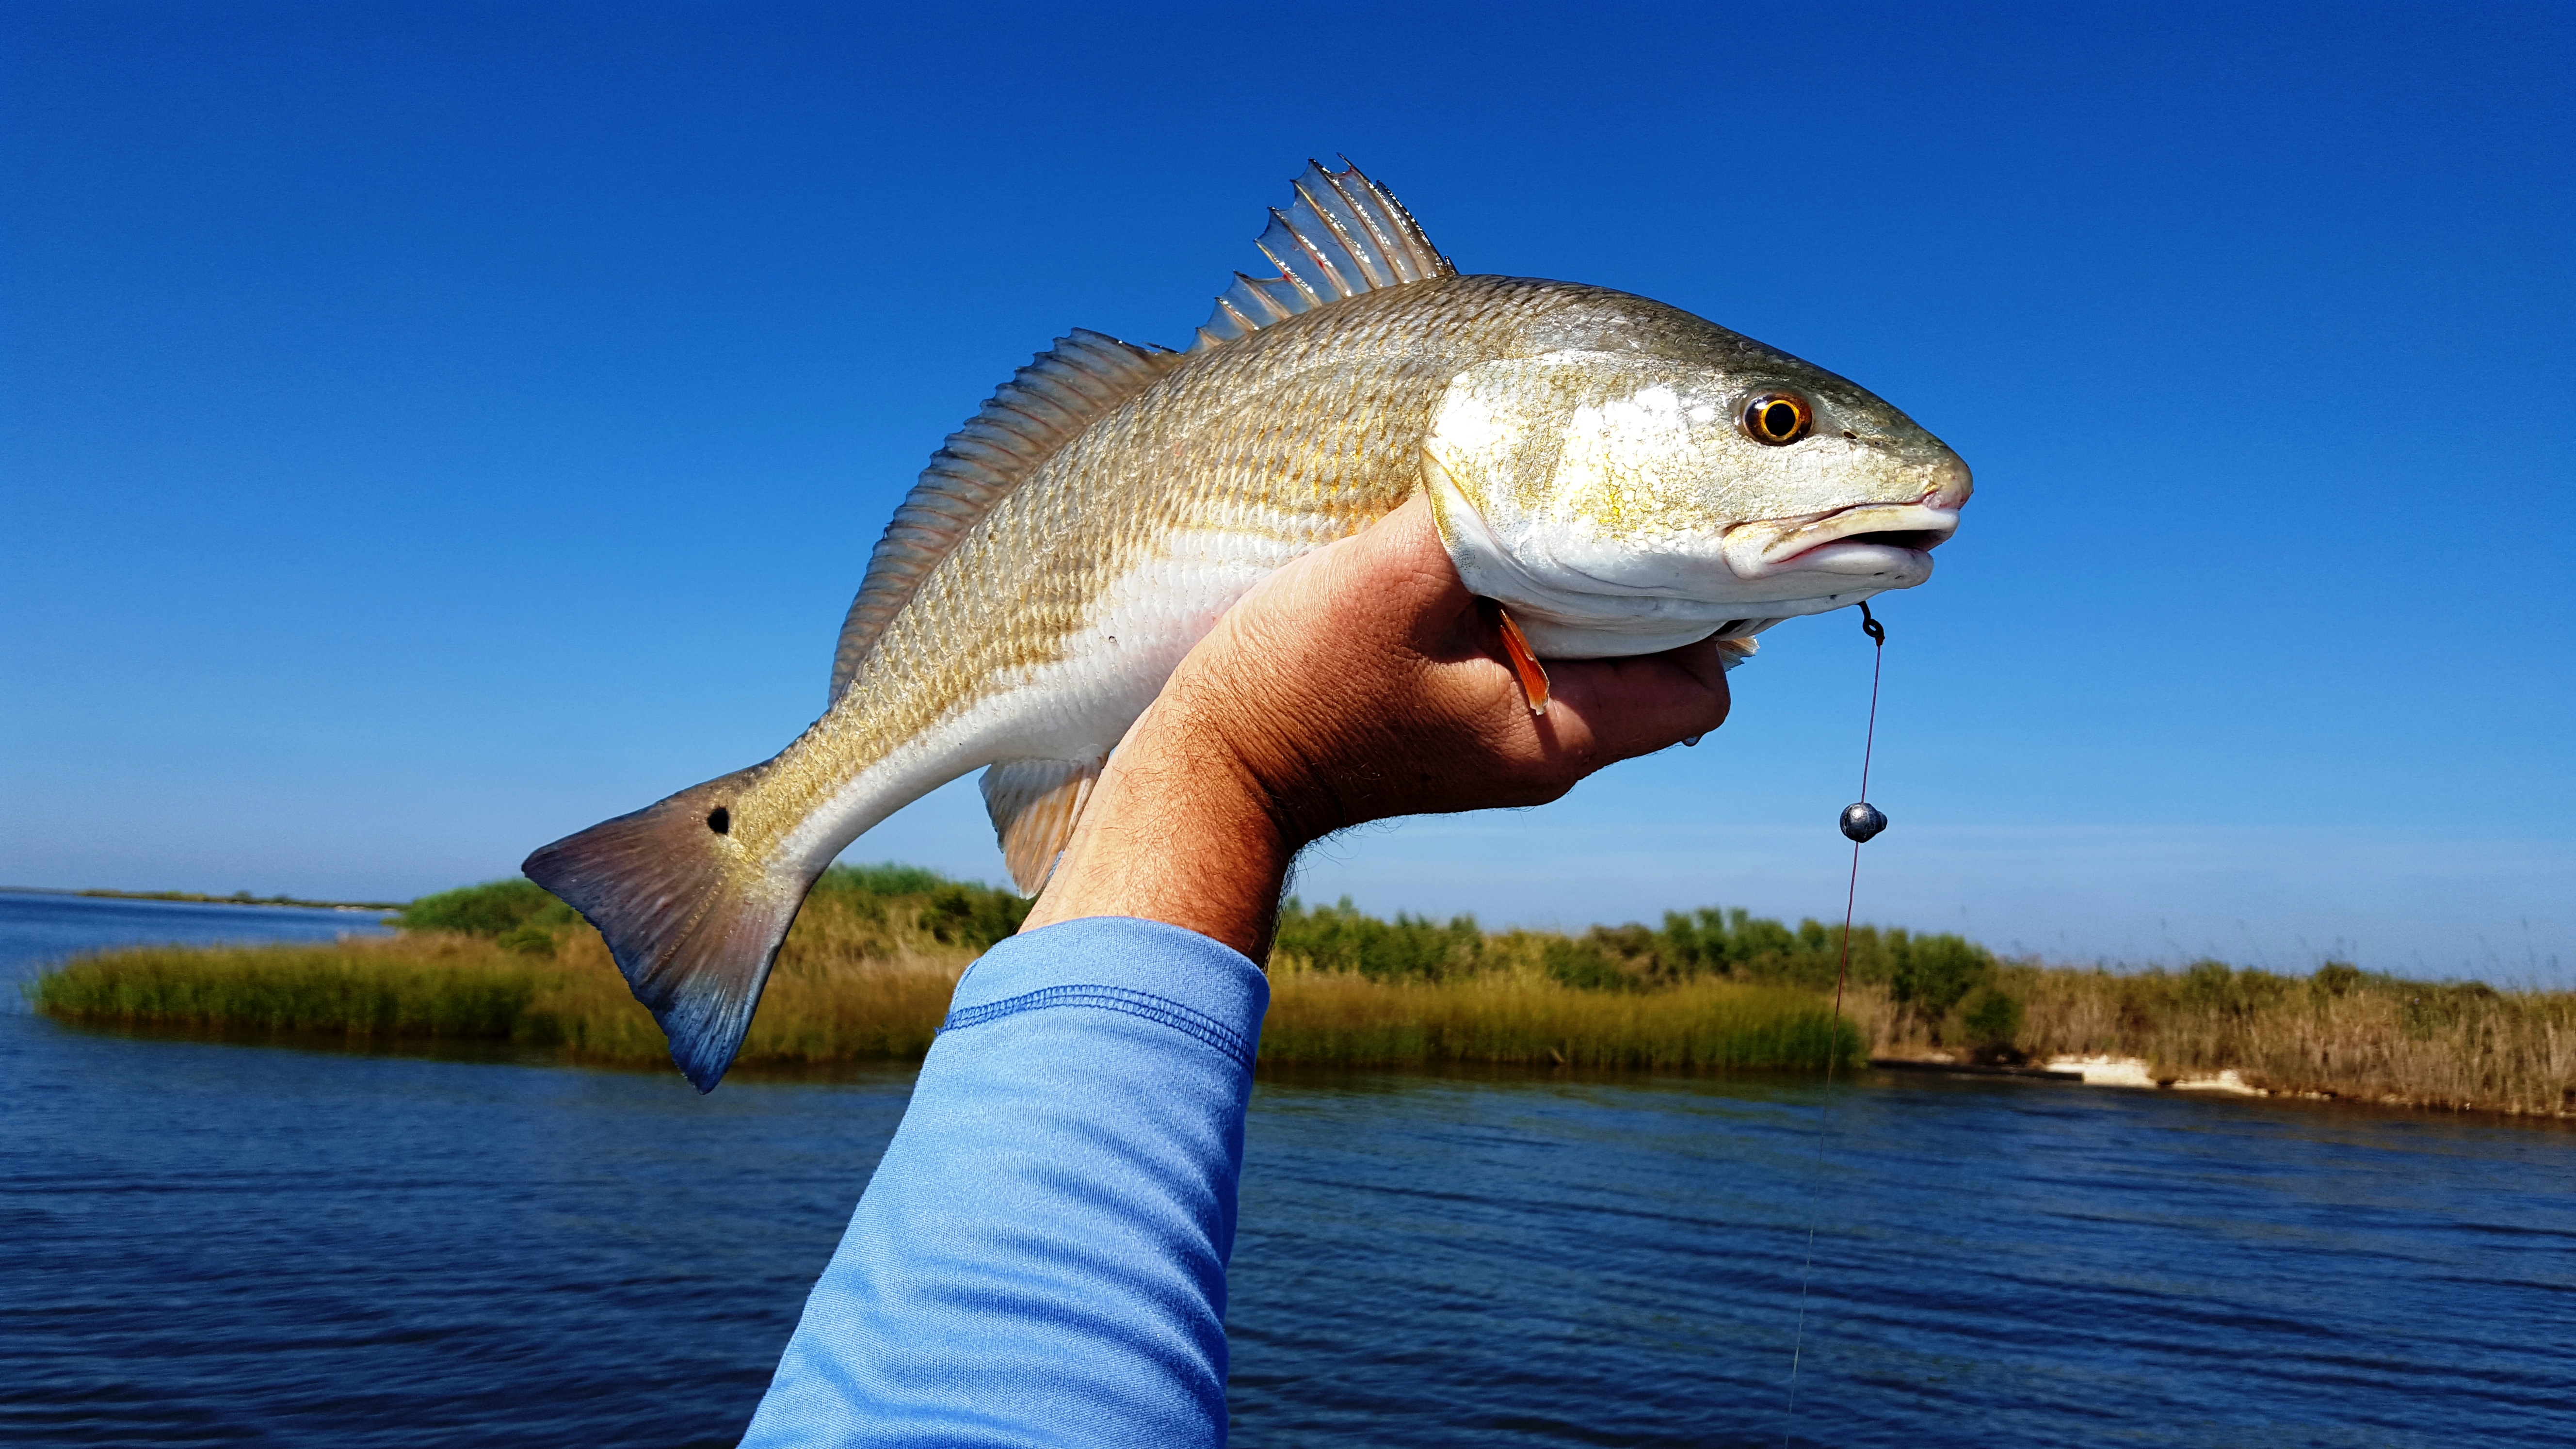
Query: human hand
x,y
1359,683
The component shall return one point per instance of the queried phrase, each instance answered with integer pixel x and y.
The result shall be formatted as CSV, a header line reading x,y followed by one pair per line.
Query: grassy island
x,y
867,971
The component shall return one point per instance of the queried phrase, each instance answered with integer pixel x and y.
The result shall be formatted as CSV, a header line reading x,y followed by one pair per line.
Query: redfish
x,y
1619,475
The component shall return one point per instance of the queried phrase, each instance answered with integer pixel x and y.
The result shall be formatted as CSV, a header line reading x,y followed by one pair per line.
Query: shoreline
x,y
2226,1083
198,898
2138,1074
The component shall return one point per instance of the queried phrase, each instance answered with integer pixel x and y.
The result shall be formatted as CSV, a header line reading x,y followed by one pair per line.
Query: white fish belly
x,y
1075,707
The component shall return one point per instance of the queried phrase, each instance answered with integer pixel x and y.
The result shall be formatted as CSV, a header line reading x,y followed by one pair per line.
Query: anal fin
x,y
1035,804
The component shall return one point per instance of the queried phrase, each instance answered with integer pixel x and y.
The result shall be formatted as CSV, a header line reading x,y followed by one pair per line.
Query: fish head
x,y
1651,486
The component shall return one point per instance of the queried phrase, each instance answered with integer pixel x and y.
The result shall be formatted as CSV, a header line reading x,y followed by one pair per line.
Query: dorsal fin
x,y
1344,235
1040,409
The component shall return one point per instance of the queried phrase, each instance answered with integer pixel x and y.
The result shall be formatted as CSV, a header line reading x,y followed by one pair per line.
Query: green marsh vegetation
x,y
867,972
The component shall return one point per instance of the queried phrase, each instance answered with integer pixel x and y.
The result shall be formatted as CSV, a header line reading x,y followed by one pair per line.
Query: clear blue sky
x,y
428,430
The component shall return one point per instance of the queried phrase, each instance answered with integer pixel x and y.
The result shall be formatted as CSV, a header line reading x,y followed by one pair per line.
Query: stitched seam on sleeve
x,y
1160,1010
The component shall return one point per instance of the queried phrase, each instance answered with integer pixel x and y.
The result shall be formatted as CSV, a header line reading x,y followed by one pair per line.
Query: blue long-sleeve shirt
x,y
1040,1258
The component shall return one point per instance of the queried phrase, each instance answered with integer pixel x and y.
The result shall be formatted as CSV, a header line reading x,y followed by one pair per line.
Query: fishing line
x,y
1861,821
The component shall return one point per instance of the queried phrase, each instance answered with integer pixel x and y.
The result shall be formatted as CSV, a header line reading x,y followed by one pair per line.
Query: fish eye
x,y
1778,418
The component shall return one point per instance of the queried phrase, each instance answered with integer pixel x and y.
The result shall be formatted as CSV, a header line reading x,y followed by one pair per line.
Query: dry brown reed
x,y
2456,1046
1522,1018
849,985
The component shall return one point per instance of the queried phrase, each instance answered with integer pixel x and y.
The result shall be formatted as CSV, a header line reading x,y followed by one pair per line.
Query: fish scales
x,y
1602,465
1291,438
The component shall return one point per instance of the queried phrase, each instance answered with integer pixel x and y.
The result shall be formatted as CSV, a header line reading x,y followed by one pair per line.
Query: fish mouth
x,y
1865,539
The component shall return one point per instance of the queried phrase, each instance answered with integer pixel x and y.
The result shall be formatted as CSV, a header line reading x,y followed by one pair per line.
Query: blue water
x,y
208,1244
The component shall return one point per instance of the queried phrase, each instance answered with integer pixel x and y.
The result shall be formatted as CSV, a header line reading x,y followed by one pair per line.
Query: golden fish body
x,y
1592,465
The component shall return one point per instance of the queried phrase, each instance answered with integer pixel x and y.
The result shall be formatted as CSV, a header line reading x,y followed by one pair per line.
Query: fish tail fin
x,y
693,921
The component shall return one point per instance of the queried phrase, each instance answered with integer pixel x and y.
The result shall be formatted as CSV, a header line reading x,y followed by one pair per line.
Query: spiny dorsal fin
x,y
1344,235
1041,408
1035,805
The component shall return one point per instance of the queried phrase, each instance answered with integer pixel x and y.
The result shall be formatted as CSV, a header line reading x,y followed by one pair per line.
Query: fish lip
x,y
1839,540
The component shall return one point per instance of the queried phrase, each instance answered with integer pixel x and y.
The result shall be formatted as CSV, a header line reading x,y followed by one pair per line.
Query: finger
x,y
1619,708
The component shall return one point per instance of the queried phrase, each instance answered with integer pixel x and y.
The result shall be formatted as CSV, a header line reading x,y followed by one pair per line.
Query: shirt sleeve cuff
x,y
1147,969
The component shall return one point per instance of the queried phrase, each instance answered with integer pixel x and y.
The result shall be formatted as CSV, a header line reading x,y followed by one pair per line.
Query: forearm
x,y
1041,1255
1178,832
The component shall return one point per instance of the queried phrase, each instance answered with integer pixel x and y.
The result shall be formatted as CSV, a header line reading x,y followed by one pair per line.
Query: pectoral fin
x,y
1524,663
1035,805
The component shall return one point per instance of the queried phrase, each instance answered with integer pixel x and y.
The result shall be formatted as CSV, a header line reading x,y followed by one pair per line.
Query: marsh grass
x,y
1343,1018
868,969
2340,1031
867,972
864,975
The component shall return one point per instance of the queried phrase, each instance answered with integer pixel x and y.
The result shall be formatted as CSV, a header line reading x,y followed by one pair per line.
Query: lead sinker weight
x,y
1862,820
